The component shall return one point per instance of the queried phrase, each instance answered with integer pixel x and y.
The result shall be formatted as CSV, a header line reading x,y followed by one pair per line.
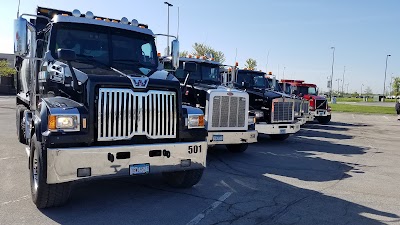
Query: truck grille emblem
x,y
139,82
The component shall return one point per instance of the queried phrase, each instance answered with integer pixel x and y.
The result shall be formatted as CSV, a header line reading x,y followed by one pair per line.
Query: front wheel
x,y
44,195
237,148
324,119
279,137
20,124
183,179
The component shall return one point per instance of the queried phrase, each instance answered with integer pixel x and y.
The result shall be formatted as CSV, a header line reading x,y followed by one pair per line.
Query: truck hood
x,y
309,97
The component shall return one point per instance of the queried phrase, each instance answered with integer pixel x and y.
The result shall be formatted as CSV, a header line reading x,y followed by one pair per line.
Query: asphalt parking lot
x,y
346,172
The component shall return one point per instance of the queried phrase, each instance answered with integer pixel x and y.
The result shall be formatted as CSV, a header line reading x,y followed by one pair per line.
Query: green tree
x,y
251,63
183,53
355,94
5,69
368,91
203,50
396,86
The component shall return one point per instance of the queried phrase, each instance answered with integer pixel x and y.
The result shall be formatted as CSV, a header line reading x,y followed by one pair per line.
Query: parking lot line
x,y
213,206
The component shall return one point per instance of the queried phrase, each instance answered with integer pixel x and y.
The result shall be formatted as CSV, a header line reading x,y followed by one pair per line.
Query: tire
x,y
279,137
183,179
20,124
44,195
237,148
324,119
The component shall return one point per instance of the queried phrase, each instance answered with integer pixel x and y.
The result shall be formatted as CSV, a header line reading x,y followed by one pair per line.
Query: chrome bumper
x,y
320,113
309,117
63,163
290,128
213,137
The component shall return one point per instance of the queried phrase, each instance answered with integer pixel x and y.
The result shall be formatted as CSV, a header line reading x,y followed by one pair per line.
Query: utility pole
x,y
344,71
384,81
168,6
338,86
333,62
361,89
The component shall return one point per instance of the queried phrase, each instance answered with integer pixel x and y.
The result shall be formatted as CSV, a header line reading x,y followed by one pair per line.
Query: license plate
x,y
218,137
282,131
321,113
139,169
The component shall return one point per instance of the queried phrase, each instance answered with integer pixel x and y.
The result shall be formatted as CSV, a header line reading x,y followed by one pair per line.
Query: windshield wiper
x,y
92,59
137,63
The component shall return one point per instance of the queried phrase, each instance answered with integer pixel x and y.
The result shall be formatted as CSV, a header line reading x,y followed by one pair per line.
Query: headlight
x,y
252,120
195,121
64,122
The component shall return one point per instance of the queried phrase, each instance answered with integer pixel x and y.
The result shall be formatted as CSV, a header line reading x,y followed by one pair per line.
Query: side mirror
x,y
66,54
245,84
190,67
20,37
175,54
274,84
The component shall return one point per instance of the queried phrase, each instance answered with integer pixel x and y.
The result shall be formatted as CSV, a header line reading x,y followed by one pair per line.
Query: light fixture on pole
x,y
168,5
384,81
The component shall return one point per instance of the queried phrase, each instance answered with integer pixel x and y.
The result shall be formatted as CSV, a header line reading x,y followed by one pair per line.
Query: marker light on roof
x,y
124,20
76,13
89,15
135,23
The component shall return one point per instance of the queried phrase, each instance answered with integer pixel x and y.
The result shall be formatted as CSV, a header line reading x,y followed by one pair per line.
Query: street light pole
x,y
338,86
361,89
344,71
333,62
168,5
384,81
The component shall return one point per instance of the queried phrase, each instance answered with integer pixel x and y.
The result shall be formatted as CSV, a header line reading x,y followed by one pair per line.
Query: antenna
x,y
235,56
177,32
267,62
19,3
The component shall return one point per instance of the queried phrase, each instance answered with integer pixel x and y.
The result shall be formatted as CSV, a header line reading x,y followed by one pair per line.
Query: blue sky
x,y
297,34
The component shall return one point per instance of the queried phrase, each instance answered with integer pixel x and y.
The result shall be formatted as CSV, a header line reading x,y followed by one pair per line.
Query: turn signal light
x,y
52,122
201,121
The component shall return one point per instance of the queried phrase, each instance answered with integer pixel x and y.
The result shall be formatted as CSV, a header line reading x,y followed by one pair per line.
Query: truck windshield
x,y
251,79
207,73
127,51
275,86
210,73
307,90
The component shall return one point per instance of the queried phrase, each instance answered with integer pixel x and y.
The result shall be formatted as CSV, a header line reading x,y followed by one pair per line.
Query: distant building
x,y
8,57
7,83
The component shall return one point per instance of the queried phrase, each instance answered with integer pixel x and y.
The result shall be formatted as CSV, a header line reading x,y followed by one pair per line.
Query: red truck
x,y
319,108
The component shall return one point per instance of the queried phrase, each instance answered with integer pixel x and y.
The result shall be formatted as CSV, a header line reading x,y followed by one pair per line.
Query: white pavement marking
x,y
8,158
386,118
199,217
353,116
16,200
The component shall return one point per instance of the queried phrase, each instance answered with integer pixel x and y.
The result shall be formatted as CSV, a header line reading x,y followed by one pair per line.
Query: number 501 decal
x,y
194,149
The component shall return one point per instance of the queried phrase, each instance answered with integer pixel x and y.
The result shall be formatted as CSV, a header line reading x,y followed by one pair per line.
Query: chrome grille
x,y
228,111
297,107
320,104
305,107
123,114
282,112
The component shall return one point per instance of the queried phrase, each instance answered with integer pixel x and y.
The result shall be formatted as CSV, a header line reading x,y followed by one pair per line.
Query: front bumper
x,y
309,117
63,163
214,137
288,128
320,113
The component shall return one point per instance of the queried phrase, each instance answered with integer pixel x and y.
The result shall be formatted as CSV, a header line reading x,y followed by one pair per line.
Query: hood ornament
x,y
137,82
